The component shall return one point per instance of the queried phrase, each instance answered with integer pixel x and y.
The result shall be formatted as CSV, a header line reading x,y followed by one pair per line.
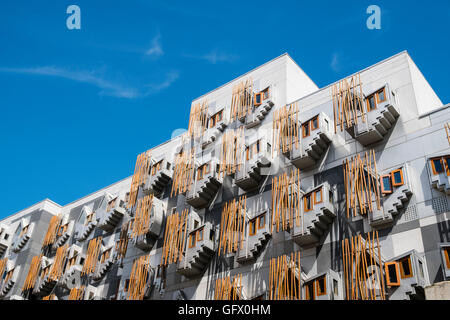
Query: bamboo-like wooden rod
x,y
52,230
228,288
76,293
92,256
198,119
285,277
122,244
241,99
33,272
286,128
183,173
138,278
141,170
58,263
232,151
3,263
174,238
232,225
142,217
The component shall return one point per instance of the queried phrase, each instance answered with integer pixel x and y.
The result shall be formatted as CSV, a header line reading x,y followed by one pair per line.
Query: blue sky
x,y
79,105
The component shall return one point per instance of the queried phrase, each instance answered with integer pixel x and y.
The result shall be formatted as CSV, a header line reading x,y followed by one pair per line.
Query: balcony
x,y
159,178
145,239
86,224
110,212
216,125
257,235
199,251
262,104
45,283
380,118
107,260
64,233
325,286
316,135
396,191
406,276
22,235
250,173
73,268
204,187
318,212
11,274
438,167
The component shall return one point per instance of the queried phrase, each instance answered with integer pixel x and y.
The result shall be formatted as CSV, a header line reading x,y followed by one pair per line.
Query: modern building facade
x,y
277,190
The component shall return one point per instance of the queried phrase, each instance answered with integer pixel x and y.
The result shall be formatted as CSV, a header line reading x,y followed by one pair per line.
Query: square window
x,y
405,267
318,196
397,177
436,165
386,186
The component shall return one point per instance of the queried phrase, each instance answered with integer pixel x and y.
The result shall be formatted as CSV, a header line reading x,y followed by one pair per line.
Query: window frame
x,y
315,197
318,291
264,93
378,95
192,235
433,168
373,95
402,271
383,190
394,184
389,281
312,123
199,232
260,218
446,256
304,125
308,285
250,224
255,95
446,161
310,201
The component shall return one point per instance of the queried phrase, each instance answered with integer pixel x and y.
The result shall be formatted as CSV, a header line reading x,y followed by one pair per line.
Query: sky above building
x,y
78,105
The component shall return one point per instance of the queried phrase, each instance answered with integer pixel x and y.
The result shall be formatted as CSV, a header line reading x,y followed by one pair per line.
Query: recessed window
x,y
331,196
318,196
397,177
265,94
386,185
447,256
335,287
392,274
305,129
127,284
252,226
310,291
307,203
436,165
200,235
381,95
192,240
315,123
262,221
257,99
405,267
321,286
371,104
6,236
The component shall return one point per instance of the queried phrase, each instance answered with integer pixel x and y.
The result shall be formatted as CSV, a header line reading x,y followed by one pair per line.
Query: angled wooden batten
x,y
142,167
175,238
232,225
285,277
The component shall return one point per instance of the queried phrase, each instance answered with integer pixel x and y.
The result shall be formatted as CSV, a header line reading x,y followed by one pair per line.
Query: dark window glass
x,y
438,165
387,184
372,104
381,96
397,177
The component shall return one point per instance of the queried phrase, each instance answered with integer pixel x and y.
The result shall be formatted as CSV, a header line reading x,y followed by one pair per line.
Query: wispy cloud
x,y
335,63
106,87
156,49
214,57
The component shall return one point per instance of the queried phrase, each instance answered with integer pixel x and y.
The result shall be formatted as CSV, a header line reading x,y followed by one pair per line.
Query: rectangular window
x,y
371,103
257,99
192,240
386,186
392,274
252,225
127,284
447,256
381,96
397,177
310,291
447,165
206,168
318,196
330,196
321,285
200,235
262,221
307,203
335,287
305,129
405,267
315,123
436,165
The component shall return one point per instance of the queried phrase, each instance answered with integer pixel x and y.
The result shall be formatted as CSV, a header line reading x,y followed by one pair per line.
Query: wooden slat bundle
x,y
362,185
228,288
122,244
52,230
241,99
138,278
183,172
286,201
141,169
142,216
232,225
447,130
175,238
348,102
33,272
58,263
92,256
358,257
286,128
76,293
198,119
49,297
3,263
285,277
231,152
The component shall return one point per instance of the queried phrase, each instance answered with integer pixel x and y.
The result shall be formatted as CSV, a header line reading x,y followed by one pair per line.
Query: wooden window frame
x,y
192,235
383,190
378,95
368,102
206,168
304,125
250,224
402,271
310,201
261,218
199,236
388,278
446,161
434,168
264,93
312,123
447,256
318,291
315,197
255,103
247,153
394,184
307,286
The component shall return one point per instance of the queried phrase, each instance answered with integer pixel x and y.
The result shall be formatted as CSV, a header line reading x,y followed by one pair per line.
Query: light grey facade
x,y
405,130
